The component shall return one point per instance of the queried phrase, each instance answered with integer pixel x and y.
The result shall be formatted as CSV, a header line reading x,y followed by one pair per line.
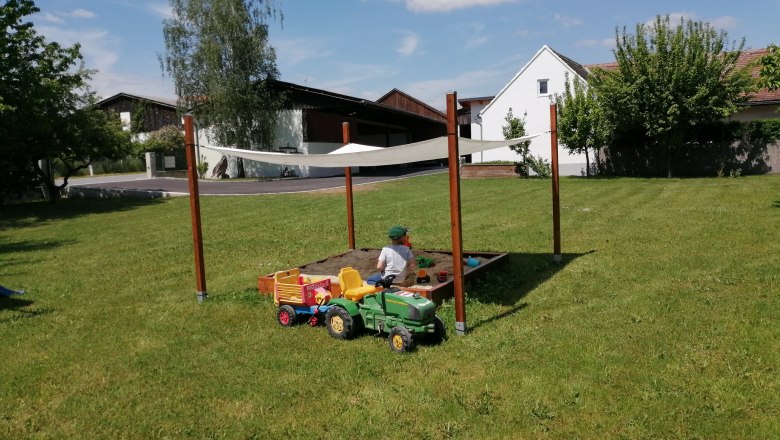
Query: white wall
x,y
289,132
754,113
521,95
476,129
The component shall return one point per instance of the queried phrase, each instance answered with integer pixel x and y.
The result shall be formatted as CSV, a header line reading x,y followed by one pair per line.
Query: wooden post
x,y
348,185
197,237
457,235
556,200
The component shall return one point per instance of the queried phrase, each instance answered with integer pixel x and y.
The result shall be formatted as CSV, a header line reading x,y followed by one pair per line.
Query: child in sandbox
x,y
396,258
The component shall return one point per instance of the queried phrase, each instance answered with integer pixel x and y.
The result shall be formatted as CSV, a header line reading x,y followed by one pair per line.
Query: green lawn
x,y
663,321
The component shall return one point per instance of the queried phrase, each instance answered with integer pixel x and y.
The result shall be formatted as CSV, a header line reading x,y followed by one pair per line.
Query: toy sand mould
x,y
364,260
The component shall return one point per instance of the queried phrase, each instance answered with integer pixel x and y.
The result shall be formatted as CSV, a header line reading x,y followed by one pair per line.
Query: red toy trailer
x,y
296,297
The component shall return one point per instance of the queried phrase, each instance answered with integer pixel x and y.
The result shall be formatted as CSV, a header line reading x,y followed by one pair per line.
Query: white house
x,y
533,88
529,94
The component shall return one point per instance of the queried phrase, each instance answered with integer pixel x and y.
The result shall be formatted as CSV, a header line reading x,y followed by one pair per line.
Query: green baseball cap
x,y
396,232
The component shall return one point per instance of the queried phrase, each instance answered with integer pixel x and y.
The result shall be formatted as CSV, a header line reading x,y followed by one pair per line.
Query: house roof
x,y
166,102
468,102
606,66
746,58
573,65
763,96
311,98
398,95
577,68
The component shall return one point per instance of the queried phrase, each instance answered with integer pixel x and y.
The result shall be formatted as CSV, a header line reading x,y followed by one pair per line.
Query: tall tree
x,y
669,81
46,110
581,123
220,59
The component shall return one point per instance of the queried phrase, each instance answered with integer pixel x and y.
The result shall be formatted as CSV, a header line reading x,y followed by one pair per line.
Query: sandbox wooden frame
x,y
435,291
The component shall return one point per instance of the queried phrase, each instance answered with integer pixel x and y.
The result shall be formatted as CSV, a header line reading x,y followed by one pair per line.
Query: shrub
x,y
540,166
203,167
166,139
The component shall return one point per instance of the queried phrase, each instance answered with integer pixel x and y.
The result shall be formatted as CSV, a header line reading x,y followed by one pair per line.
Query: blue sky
x,y
365,48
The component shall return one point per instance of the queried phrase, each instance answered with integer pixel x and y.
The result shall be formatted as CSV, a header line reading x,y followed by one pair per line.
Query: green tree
x,y
84,135
515,128
769,75
581,123
669,81
46,110
220,59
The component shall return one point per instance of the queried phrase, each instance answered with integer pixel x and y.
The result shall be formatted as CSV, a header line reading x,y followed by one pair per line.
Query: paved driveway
x,y
177,187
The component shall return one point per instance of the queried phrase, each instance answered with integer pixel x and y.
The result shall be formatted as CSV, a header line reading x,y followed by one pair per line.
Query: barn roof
x,y
398,99
165,102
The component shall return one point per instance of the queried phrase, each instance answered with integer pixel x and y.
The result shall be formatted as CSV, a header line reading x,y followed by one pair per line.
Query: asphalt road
x,y
172,186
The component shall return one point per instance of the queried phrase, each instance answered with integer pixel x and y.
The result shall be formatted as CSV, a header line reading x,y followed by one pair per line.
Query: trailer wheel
x,y
286,316
440,331
340,323
400,339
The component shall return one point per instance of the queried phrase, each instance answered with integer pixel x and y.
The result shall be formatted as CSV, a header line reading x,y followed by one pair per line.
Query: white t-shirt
x,y
395,258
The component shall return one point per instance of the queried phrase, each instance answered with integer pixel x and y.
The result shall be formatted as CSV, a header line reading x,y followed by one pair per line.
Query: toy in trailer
x,y
296,297
401,314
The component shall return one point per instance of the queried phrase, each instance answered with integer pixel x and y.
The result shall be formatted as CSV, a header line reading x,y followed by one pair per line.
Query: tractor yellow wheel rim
x,y
398,342
337,324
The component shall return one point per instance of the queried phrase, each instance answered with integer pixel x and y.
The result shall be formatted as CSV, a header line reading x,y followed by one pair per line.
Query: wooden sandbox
x,y
364,260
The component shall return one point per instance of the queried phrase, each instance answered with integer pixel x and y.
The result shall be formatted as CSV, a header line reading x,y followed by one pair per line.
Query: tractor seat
x,y
352,286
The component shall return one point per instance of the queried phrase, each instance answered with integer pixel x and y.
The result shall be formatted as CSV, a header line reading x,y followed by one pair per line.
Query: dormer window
x,y
542,87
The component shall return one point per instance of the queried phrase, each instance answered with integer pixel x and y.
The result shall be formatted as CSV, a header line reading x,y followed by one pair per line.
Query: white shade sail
x,y
351,155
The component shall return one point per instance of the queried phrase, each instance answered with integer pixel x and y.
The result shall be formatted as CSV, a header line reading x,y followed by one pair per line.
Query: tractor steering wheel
x,y
385,282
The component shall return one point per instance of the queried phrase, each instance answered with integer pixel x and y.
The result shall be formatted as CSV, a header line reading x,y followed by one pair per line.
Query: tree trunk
x,y
240,165
587,163
599,165
525,166
44,170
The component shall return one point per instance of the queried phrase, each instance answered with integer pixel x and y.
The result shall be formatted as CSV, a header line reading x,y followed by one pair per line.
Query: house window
x,y
542,87
126,122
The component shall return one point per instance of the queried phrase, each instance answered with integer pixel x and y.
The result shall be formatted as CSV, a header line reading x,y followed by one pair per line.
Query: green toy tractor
x,y
403,315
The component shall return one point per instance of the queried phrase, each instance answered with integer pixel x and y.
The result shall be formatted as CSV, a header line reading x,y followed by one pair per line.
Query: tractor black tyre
x,y
286,316
440,333
400,339
340,323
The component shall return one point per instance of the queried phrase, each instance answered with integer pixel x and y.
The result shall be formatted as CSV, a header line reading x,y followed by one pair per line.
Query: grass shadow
x,y
505,314
13,303
8,248
509,284
36,213
519,275
19,309
31,245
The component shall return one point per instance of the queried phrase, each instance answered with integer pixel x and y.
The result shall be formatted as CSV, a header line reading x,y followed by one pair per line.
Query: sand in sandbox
x,y
364,260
